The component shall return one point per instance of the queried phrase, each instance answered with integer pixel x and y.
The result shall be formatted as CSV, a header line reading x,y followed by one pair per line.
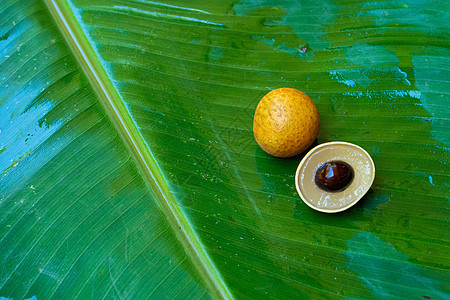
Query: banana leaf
x,y
129,168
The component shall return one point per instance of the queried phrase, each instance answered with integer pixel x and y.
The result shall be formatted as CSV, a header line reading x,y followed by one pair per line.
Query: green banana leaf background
x,y
129,168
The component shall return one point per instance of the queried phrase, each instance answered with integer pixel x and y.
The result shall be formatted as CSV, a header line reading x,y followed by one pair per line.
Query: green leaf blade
x,y
377,74
78,218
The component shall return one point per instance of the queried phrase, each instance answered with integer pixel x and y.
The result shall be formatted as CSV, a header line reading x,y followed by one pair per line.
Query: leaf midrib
x,y
115,108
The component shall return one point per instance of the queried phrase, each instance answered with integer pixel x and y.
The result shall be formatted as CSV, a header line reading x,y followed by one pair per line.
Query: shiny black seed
x,y
334,176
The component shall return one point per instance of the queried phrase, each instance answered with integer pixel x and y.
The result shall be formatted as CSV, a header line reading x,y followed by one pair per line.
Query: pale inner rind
x,y
355,157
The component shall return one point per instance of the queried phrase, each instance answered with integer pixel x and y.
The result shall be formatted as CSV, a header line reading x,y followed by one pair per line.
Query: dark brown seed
x,y
334,176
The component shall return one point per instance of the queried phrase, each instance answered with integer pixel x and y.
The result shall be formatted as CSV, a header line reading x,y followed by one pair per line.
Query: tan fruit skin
x,y
286,122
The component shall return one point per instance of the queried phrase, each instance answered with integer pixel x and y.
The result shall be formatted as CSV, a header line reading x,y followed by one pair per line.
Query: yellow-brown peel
x,y
286,122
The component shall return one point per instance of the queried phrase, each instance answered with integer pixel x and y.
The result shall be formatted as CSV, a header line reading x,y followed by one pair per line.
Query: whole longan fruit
x,y
286,122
